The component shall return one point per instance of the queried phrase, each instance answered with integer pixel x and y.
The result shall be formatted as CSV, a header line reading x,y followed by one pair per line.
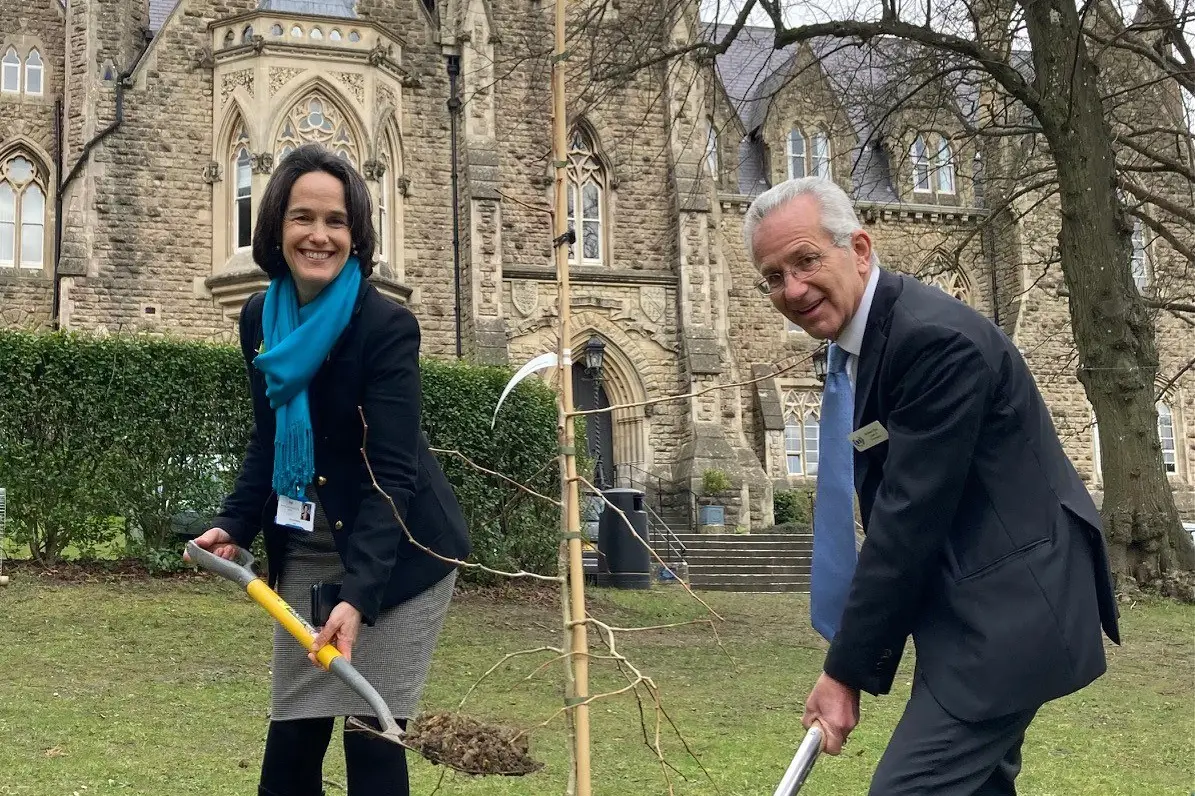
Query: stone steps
x,y
745,562
756,583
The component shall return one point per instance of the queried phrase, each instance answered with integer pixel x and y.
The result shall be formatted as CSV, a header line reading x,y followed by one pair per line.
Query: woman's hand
x,y
217,541
341,632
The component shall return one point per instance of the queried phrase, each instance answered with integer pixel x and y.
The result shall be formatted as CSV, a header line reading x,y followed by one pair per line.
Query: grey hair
x,y
837,214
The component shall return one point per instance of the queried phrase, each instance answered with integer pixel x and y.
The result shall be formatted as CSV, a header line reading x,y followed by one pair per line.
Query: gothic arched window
x,y
22,215
1139,261
314,119
920,157
795,153
586,199
1166,437
940,271
801,413
242,187
33,73
821,155
945,167
10,72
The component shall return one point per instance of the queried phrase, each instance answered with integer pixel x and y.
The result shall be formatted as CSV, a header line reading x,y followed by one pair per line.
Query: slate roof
x,y
341,9
868,79
159,10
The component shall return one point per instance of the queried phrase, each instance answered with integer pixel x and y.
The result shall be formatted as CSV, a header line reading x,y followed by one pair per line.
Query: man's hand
x,y
340,632
836,707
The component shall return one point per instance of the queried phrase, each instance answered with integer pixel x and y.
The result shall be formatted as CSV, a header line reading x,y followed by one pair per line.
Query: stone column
x,y
716,441
483,325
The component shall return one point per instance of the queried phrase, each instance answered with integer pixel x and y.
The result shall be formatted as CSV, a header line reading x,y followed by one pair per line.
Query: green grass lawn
x,y
162,687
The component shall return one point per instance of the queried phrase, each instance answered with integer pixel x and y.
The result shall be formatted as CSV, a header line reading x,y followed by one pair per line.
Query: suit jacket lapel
x,y
875,337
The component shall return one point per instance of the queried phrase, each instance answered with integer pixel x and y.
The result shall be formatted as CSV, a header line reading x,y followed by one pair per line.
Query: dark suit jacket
x,y
373,365
981,540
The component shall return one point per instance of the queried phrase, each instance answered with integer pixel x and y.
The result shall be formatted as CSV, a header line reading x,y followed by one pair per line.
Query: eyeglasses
x,y
802,269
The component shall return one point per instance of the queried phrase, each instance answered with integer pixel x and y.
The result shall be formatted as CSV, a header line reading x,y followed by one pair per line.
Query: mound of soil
x,y
465,744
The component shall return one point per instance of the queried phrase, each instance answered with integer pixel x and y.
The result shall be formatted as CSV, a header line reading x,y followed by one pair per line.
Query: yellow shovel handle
x,y
240,571
296,625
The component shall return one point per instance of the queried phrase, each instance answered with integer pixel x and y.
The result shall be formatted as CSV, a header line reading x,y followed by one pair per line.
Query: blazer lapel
x,y
875,337
344,336
875,340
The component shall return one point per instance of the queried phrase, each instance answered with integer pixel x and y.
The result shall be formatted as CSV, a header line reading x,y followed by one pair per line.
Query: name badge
x,y
297,514
869,436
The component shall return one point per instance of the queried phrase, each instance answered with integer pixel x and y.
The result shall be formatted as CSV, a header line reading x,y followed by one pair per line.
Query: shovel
x,y
460,743
240,572
802,762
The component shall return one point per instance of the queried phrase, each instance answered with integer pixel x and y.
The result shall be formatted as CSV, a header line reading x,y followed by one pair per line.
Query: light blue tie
x,y
834,513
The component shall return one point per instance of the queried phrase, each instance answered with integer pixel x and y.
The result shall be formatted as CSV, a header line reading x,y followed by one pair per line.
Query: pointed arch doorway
x,y
589,393
619,436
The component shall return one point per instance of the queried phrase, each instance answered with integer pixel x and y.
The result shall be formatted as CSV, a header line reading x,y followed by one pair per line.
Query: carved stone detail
x,y
280,76
204,59
244,77
386,97
354,82
262,162
652,299
374,169
403,183
212,173
381,53
524,295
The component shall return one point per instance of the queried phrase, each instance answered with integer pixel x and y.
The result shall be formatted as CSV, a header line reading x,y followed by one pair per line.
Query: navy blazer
x,y
374,367
982,542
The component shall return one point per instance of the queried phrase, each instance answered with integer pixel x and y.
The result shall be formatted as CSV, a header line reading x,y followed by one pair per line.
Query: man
x,y
981,541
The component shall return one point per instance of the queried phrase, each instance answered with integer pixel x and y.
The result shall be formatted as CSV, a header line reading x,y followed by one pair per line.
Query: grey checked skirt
x,y
394,655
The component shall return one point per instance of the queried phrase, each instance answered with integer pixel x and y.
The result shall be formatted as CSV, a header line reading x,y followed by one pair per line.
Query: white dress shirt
x,y
851,338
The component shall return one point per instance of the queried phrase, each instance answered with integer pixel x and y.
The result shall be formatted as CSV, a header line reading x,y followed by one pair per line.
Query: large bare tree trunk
x,y
1113,331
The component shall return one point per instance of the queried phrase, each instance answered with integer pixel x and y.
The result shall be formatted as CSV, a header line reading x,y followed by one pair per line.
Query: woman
x,y
323,347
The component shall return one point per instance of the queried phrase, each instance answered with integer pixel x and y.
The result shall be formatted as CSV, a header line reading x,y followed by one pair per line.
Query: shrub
x,y
98,429
793,506
714,482
107,439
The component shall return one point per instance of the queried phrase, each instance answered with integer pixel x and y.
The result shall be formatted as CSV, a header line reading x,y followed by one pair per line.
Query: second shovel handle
x,y
802,762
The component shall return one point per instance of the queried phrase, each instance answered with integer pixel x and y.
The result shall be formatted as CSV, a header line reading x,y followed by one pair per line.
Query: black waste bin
x,y
624,562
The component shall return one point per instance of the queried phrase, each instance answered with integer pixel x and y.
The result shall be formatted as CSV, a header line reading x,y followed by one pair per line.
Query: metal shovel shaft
x,y
802,763
240,572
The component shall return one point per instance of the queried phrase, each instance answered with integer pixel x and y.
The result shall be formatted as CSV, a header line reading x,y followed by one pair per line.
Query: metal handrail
x,y
627,472
670,536
631,469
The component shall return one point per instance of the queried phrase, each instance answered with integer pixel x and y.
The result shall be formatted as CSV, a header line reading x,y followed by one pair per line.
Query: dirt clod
x,y
466,744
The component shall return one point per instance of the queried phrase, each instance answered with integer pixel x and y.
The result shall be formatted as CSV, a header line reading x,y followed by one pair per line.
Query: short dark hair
x,y
267,235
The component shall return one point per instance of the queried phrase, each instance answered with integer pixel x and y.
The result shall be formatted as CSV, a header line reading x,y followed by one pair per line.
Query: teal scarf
x,y
297,341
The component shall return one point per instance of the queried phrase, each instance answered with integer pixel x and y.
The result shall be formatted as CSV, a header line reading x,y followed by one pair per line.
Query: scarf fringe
x,y
297,340
294,457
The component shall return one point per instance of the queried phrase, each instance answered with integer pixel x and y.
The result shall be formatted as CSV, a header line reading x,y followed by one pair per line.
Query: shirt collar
x,y
851,339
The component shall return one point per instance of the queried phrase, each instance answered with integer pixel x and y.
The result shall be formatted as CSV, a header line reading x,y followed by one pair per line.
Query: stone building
x,y
137,138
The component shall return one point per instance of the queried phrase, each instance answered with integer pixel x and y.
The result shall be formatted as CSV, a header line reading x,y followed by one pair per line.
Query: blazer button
x,y
339,525
321,481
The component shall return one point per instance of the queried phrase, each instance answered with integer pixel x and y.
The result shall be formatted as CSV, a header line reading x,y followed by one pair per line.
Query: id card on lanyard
x,y
297,514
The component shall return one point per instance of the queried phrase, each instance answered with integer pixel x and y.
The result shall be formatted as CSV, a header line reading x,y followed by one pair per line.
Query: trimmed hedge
x,y
104,437
793,506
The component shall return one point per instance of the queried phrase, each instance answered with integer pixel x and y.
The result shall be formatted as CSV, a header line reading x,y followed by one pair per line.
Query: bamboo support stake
x,y
576,629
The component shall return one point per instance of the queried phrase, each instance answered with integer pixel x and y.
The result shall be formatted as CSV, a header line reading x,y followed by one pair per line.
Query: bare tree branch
x,y
995,64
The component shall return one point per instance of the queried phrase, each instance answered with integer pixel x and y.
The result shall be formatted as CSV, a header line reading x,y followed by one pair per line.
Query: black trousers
x,y
932,752
293,764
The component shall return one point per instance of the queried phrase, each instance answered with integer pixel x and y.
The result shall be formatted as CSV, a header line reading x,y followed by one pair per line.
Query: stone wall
x,y
426,127
29,129
139,235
